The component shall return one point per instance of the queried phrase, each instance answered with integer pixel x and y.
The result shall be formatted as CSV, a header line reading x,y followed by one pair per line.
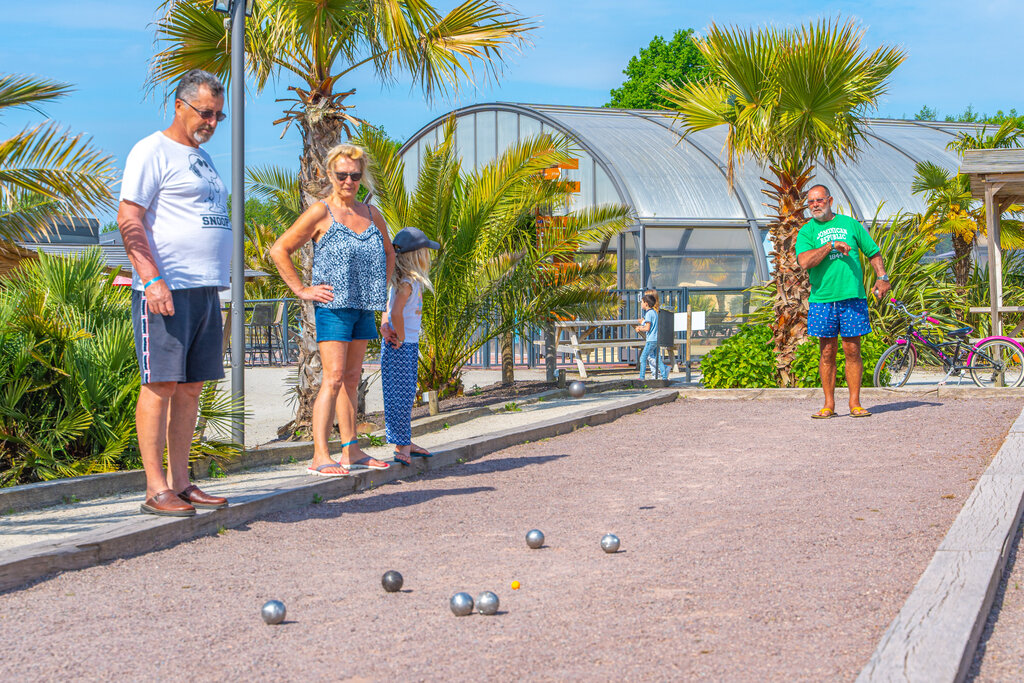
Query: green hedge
x,y
747,360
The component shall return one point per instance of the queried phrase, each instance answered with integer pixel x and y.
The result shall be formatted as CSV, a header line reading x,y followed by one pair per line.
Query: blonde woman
x,y
400,354
352,263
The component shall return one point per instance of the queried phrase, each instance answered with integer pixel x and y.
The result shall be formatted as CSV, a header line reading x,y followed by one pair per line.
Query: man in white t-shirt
x,y
174,221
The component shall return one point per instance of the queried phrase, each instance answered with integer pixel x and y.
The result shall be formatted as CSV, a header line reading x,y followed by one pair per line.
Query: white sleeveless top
x,y
412,312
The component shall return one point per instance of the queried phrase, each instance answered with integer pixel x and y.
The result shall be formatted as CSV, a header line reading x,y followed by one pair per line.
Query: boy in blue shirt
x,y
649,325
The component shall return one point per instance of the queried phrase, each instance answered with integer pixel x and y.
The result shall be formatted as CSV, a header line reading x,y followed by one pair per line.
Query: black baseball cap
x,y
411,239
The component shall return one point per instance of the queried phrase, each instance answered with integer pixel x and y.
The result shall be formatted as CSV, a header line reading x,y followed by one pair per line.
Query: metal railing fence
x,y
276,341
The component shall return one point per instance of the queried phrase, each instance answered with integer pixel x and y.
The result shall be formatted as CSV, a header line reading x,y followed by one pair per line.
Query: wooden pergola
x,y
997,177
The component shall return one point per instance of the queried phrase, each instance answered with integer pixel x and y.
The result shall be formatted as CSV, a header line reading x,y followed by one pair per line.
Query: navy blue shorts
x,y
344,324
185,347
847,318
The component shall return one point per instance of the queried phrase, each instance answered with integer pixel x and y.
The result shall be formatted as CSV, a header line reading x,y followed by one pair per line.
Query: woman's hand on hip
x,y
322,293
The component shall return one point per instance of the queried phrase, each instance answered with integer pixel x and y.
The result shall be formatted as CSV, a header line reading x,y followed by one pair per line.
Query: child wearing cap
x,y
399,350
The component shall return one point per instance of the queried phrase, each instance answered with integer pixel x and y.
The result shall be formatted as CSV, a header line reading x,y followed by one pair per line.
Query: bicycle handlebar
x,y
899,305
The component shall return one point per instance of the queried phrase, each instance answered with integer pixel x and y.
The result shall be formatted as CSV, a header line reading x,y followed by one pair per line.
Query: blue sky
x,y
957,55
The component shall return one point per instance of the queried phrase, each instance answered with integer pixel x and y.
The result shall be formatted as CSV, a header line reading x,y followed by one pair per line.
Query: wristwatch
x,y
883,277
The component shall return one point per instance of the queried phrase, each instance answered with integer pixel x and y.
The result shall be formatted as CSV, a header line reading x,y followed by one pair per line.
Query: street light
x,y
224,6
237,12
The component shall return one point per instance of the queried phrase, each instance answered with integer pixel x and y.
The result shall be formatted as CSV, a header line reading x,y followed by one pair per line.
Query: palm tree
x,y
45,171
318,43
483,270
279,188
951,208
790,98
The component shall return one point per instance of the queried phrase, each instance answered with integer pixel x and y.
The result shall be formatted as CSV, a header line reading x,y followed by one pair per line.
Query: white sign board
x,y
696,316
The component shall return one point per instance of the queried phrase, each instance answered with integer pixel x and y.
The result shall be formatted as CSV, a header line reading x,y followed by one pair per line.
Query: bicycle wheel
x,y
895,365
997,363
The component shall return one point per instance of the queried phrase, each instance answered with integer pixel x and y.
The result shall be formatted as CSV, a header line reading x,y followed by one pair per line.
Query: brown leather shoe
x,y
166,503
202,500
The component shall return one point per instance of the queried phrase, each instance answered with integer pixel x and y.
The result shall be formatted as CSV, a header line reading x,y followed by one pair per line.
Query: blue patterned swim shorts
x,y
847,318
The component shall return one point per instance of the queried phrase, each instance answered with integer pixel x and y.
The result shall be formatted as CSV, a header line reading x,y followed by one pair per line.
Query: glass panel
x,y
485,138
712,258
631,260
412,165
465,141
508,130
528,127
586,195
604,190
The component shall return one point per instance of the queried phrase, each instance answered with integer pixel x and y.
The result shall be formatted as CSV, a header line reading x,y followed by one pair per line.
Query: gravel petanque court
x,y
757,544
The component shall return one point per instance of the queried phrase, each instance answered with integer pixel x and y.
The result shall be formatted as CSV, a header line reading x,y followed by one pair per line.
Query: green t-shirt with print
x,y
837,277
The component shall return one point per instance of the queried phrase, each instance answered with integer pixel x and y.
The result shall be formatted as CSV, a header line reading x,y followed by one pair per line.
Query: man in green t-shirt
x,y
829,247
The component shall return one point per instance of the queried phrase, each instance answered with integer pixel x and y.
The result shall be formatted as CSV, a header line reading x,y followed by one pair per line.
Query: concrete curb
x,y
146,533
91,486
936,633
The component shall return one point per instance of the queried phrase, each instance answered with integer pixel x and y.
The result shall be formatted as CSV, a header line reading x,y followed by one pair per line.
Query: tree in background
x,y
790,98
45,171
968,115
317,44
677,61
951,208
483,264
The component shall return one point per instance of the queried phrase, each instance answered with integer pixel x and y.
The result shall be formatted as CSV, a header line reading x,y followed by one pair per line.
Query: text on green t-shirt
x,y
837,277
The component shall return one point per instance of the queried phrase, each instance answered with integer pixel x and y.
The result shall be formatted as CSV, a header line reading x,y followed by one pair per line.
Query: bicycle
x,y
991,362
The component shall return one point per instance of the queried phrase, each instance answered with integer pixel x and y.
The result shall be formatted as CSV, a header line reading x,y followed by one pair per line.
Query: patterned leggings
x,y
398,370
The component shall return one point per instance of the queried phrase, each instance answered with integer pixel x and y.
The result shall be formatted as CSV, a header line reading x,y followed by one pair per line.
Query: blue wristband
x,y
156,279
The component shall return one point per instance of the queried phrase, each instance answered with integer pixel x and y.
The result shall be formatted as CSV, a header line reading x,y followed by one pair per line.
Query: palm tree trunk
x,y
962,261
508,375
792,285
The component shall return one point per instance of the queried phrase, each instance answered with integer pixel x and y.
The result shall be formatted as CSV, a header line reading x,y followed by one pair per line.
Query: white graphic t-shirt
x,y
186,217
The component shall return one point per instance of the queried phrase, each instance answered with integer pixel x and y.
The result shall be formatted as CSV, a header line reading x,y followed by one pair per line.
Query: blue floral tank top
x,y
354,264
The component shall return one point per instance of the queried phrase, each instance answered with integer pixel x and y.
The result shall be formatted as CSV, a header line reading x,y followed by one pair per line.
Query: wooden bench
x,y
573,345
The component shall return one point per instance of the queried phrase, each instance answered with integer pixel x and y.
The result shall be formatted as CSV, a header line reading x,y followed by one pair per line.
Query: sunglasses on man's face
x,y
342,176
208,114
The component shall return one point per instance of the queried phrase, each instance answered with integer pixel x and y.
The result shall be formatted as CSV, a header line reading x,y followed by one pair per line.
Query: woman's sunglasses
x,y
342,177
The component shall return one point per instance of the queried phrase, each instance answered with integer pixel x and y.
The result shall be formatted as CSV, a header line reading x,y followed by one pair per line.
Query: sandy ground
x,y
757,544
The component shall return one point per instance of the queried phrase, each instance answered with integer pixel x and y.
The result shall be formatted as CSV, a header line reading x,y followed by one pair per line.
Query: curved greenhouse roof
x,y
637,158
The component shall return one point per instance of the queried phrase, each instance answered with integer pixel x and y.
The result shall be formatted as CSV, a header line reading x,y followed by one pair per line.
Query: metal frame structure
x,y
682,182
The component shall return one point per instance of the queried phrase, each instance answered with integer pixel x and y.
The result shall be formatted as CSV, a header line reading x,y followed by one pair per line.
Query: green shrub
x,y
805,366
745,360
68,375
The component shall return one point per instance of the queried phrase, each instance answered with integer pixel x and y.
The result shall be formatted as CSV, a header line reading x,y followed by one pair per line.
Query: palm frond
x,y
26,91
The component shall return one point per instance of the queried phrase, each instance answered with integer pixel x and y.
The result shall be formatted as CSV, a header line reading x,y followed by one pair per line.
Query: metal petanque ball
x,y
610,543
577,389
392,581
461,604
535,538
273,612
487,603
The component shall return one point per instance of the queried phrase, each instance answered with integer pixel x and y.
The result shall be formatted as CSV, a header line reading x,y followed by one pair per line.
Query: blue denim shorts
x,y
847,318
344,324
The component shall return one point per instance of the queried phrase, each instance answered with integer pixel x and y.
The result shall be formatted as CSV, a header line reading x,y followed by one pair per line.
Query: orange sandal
x,y
859,412
823,414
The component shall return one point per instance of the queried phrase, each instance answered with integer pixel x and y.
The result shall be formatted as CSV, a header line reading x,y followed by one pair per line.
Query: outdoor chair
x,y
264,335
